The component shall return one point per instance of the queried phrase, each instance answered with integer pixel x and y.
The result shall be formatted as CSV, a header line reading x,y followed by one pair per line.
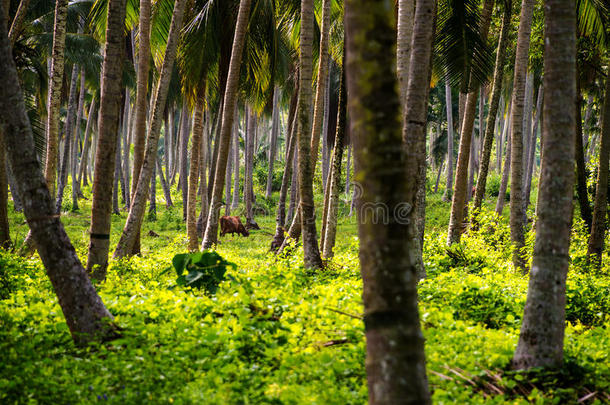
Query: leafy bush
x,y
203,270
261,173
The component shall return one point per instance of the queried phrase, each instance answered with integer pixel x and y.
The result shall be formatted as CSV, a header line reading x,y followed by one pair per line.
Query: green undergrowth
x,y
273,333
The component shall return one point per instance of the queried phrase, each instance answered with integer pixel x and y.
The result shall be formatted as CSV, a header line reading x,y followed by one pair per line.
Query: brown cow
x,y
232,225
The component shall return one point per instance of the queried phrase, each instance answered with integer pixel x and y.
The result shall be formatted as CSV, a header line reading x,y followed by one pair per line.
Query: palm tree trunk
x,y
18,21
5,235
395,345
108,126
505,173
228,179
166,192
448,195
532,149
496,92
85,313
76,191
275,123
517,211
82,170
335,176
184,142
69,129
598,228
581,170
191,211
403,45
228,115
116,178
152,207
458,202
235,202
542,330
54,100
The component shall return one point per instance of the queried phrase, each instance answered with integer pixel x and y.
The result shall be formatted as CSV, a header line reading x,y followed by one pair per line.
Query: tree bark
x,y
54,98
152,207
517,211
82,171
505,176
275,123
448,195
184,143
228,114
112,73
191,211
138,205
493,111
5,235
581,170
84,311
395,359
542,330
598,228
235,202
532,149
248,172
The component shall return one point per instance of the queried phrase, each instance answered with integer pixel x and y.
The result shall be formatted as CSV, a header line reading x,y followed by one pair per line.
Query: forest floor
x,y
274,333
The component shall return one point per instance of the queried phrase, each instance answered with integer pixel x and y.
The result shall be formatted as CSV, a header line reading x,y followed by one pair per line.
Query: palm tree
x,y
598,228
403,45
275,121
54,100
228,115
542,331
493,109
517,208
84,311
448,195
18,20
141,105
138,204
108,126
191,211
395,345
458,202
5,235
311,255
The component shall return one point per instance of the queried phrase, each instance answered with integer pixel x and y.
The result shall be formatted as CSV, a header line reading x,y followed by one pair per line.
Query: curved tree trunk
x,y
598,228
138,205
395,345
493,110
517,210
18,21
458,202
542,330
84,311
54,100
228,115
105,154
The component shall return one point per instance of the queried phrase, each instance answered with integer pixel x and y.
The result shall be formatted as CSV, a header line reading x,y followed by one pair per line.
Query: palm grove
x,y
461,98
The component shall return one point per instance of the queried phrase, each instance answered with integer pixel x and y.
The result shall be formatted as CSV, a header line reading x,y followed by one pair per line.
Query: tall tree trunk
x,y
598,228
116,178
496,92
235,202
166,192
322,83
280,218
108,126
275,123
84,311
228,115
294,184
152,207
335,176
184,143
403,45
517,211
76,191
191,211
127,132
69,129
532,149
249,156
505,175
18,21
581,170
138,205
395,345
458,202
5,235
228,179
54,100
82,170
542,330
448,195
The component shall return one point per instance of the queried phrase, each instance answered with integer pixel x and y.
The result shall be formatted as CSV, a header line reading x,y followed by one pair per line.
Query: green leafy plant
x,y
200,270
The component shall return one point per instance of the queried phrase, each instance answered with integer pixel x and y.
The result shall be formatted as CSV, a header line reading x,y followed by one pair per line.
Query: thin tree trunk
x,y
532,149
108,127
517,212
252,126
458,202
505,175
496,92
191,211
448,195
18,21
294,184
84,311
138,205
116,178
54,100
581,170
598,228
76,191
542,330
275,123
228,179
438,176
235,202
224,138
152,207
82,171
395,345
184,142
166,192
5,235
335,176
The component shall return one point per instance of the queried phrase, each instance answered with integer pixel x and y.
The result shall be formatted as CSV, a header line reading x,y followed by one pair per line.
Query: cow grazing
x,y
232,225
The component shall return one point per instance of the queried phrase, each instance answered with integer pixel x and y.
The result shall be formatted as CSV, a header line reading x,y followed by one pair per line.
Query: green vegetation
x,y
274,333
